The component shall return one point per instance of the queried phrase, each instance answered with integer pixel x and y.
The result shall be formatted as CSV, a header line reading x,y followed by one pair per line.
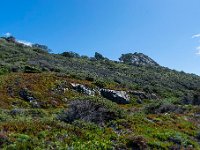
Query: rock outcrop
x,y
138,59
27,96
83,89
60,88
120,97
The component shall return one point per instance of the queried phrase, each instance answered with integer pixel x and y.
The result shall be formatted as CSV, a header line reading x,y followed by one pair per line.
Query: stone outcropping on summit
x,y
138,59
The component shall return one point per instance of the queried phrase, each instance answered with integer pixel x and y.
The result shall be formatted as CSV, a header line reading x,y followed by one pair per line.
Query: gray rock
x,y
141,59
60,88
35,104
16,111
83,89
120,97
27,96
138,59
153,96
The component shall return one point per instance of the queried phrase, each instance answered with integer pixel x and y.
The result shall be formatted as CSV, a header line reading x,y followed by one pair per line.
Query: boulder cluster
x,y
119,97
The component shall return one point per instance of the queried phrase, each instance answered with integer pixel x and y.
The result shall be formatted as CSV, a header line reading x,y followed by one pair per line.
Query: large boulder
x,y
83,89
138,59
120,97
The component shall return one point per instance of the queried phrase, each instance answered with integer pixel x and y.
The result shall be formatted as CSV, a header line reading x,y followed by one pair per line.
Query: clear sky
x,y
166,30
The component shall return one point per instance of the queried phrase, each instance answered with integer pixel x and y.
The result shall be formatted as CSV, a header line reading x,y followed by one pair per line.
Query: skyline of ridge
x,y
167,31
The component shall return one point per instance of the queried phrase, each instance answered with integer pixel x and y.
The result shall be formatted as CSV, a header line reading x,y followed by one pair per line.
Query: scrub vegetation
x,y
56,101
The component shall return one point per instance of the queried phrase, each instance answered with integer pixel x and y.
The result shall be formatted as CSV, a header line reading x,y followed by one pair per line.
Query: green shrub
x,y
100,83
4,70
3,139
137,143
164,106
89,78
70,54
31,69
99,111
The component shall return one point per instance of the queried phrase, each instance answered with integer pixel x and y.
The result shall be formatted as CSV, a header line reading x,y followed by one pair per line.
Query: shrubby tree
x,y
43,47
126,58
99,56
99,111
70,54
84,57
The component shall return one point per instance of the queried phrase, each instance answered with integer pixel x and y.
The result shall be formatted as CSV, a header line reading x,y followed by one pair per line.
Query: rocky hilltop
x,y
142,59
139,59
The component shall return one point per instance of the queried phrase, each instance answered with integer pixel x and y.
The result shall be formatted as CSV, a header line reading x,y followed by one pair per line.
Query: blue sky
x,y
166,30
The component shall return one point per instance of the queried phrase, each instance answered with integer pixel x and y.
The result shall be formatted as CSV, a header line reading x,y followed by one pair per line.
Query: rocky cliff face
x,y
142,59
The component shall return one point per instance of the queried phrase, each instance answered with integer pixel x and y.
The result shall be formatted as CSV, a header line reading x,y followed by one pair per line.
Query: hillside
x,y
67,101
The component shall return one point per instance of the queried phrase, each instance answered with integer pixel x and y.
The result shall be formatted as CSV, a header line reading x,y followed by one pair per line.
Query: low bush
x,y
198,136
163,107
31,69
95,110
100,84
3,139
136,143
4,70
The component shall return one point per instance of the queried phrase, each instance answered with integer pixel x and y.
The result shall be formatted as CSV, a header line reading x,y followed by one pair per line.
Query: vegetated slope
x,y
19,58
67,101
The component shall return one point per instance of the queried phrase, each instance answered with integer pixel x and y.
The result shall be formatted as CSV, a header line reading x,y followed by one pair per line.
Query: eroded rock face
x,y
138,59
83,89
120,97
141,59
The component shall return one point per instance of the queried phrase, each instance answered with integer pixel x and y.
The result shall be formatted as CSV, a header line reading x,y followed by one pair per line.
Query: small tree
x,y
99,56
126,58
43,47
70,54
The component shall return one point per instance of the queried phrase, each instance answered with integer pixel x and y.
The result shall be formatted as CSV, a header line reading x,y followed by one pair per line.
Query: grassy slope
x,y
40,128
